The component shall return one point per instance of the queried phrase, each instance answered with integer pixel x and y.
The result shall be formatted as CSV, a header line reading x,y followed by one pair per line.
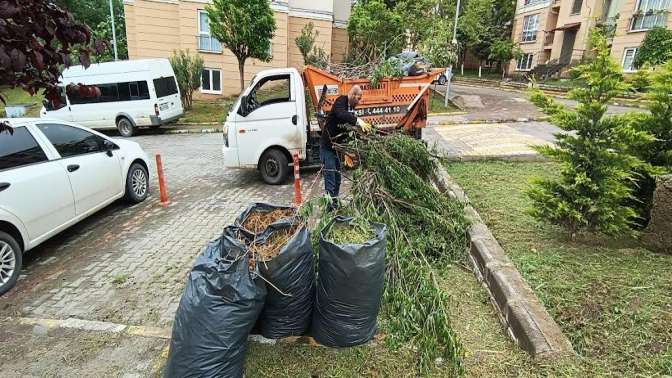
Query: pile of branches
x,y
426,230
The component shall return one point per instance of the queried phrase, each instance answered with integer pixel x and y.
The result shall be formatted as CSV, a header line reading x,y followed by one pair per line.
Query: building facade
x,y
556,31
156,28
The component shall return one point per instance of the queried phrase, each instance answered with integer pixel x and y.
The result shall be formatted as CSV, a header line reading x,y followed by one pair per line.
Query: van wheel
x,y
125,127
10,262
137,183
274,167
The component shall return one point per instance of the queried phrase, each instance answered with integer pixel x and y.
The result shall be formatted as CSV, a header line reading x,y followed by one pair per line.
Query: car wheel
x,y
442,80
137,183
10,262
125,127
274,167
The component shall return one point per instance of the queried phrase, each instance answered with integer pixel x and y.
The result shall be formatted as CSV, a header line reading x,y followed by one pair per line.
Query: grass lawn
x,y
19,96
612,297
207,111
436,104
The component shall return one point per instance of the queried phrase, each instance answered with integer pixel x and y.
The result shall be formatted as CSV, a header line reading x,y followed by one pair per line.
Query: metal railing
x,y
645,21
208,43
529,36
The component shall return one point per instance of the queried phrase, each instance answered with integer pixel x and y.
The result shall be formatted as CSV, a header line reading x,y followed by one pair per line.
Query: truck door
x,y
268,117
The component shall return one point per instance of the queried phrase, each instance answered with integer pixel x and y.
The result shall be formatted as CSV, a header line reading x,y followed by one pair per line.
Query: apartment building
x,y
556,31
155,28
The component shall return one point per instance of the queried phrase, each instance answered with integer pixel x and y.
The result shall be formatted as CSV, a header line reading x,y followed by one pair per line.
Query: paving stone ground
x,y
128,264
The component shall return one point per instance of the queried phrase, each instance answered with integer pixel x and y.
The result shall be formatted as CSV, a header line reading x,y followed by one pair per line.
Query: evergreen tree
x,y
596,166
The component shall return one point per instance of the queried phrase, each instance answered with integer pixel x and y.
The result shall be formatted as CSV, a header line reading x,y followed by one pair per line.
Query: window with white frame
x,y
211,81
628,59
205,41
530,28
649,14
525,62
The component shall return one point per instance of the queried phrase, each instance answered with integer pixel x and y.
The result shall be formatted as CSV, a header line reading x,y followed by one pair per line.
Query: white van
x,y
134,93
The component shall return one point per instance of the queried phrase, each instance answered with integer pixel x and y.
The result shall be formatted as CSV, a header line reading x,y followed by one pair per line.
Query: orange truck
x,y
270,121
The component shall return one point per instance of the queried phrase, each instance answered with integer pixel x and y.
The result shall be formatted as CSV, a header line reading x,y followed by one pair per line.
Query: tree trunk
x,y
241,70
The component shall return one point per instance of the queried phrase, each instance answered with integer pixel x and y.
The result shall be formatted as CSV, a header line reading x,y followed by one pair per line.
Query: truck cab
x,y
268,124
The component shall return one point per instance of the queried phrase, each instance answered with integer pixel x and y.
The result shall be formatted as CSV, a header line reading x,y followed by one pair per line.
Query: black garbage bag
x,y
350,284
292,271
219,307
256,207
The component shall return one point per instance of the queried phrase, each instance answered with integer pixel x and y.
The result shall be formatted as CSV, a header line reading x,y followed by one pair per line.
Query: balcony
x,y
207,43
650,19
529,36
549,36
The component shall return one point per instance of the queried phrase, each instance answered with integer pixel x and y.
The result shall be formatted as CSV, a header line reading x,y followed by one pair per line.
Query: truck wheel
x,y
442,80
274,167
10,262
125,127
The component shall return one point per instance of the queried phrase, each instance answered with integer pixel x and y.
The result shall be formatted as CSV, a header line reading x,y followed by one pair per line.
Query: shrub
x,y
593,151
658,153
655,49
188,69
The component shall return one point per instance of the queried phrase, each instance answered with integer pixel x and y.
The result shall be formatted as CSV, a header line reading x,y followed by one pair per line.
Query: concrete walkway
x,y
506,126
490,140
504,105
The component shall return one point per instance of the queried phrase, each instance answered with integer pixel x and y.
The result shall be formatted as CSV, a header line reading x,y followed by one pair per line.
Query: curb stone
x,y
526,320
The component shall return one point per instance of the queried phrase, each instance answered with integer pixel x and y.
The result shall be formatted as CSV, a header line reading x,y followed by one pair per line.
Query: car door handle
x,y
294,119
4,185
73,167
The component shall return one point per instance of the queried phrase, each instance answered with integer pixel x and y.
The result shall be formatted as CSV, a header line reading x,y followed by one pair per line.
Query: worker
x,y
339,120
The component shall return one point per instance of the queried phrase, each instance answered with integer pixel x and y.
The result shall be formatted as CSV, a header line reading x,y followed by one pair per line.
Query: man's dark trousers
x,y
331,169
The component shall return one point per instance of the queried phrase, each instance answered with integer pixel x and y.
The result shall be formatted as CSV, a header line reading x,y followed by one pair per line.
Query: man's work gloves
x,y
348,160
366,127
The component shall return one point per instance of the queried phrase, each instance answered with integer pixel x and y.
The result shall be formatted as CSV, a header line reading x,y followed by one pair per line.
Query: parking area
x,y
127,265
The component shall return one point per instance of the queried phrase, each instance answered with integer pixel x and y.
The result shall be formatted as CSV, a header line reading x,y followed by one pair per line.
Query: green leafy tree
x,y
438,48
655,49
596,167
503,51
375,31
483,23
103,32
474,28
313,55
418,18
96,14
188,70
245,27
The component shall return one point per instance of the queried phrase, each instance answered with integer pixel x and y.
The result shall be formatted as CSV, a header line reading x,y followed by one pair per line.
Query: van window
x,y
51,105
134,90
113,92
19,148
165,86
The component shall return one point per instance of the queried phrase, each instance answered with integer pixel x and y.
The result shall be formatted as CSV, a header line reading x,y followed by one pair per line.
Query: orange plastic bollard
x,y
162,183
297,182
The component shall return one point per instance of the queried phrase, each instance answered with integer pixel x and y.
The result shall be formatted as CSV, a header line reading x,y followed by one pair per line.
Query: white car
x,y
54,174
